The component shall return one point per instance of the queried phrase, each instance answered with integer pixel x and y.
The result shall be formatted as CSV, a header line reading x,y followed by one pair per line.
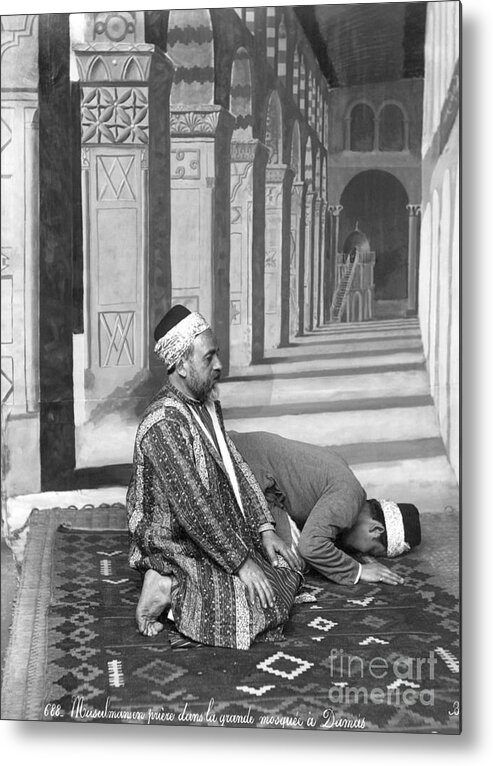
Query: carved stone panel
x,y
114,115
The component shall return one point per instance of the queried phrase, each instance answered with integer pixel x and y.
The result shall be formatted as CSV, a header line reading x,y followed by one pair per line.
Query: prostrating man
x,y
337,530
200,529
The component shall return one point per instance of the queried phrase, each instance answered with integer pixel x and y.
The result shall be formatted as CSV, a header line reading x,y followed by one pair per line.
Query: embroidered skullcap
x,y
402,526
176,332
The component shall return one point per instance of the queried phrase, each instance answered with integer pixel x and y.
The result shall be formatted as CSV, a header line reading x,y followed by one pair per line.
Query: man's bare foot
x,y
154,598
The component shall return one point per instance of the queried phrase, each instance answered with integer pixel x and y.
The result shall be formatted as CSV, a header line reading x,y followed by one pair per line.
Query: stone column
x,y
200,214
248,158
412,258
295,258
124,88
333,221
276,176
316,262
322,264
308,260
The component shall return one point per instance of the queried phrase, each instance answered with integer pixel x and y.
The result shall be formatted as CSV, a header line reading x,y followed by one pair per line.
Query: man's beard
x,y
204,391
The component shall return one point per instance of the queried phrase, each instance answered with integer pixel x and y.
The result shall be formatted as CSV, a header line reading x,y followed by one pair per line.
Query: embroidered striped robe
x,y
184,520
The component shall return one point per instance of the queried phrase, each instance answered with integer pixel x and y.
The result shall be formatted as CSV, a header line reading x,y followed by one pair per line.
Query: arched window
x,y
362,129
391,132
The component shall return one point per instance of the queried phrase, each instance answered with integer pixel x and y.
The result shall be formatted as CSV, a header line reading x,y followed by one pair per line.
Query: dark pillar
x,y
57,441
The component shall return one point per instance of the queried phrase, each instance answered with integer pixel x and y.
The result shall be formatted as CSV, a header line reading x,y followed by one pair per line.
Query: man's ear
x,y
376,527
180,368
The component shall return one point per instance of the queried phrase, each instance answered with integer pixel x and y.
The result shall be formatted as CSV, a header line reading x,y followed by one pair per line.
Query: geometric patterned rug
x,y
372,657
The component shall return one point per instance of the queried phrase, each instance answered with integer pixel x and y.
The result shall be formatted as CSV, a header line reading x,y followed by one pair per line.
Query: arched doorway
x,y
377,201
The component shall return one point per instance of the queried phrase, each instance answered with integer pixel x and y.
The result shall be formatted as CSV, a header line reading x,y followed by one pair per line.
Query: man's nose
x,y
217,364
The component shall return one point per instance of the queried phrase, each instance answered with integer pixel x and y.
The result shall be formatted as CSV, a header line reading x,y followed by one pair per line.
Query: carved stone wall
x,y
125,85
20,253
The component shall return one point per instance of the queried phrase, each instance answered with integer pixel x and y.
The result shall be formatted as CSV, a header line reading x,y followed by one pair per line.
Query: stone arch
x,y
361,127
241,95
377,200
273,129
392,127
98,71
191,49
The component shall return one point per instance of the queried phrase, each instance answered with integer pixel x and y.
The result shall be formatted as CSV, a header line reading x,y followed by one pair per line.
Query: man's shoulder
x,y
164,410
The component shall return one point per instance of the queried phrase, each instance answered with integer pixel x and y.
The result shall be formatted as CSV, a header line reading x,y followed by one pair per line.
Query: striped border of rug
x,y
23,685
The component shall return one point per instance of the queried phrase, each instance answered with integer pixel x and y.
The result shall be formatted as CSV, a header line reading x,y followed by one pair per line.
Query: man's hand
x,y
378,573
273,545
257,584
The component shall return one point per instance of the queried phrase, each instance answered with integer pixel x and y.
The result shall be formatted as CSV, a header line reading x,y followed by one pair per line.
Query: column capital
x,y
414,209
335,210
115,81
277,174
199,121
247,151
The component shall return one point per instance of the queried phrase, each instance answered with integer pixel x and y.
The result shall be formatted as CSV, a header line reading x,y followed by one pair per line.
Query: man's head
x,y
186,345
384,528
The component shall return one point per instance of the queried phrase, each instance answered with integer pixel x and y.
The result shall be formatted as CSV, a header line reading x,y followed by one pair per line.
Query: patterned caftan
x,y
184,520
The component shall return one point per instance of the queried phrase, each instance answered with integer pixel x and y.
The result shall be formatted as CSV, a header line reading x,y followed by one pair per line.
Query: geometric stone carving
x,y
7,376
111,115
185,164
6,255
116,338
116,26
194,122
99,63
14,28
6,128
235,312
115,177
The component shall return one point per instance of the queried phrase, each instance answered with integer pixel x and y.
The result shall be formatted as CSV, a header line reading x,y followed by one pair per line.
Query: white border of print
x,y
30,741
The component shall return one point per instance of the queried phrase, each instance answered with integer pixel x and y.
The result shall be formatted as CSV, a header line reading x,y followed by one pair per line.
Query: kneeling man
x,y
320,506
200,529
